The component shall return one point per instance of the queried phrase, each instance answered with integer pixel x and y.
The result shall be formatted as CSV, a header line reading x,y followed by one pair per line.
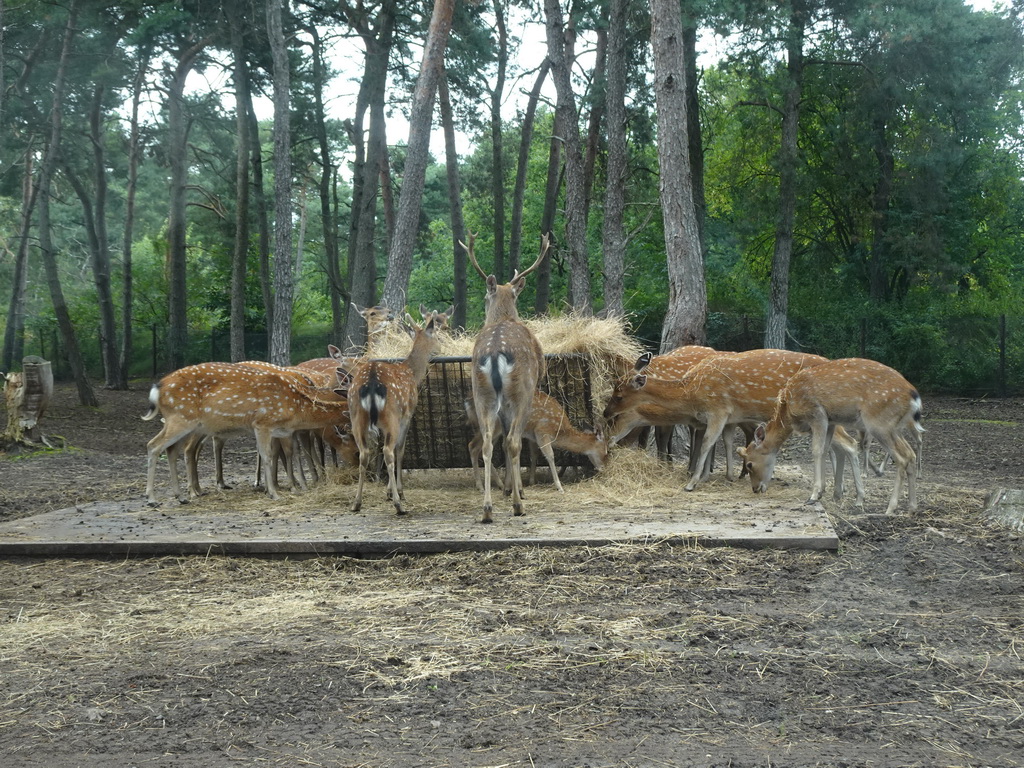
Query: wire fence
x,y
971,355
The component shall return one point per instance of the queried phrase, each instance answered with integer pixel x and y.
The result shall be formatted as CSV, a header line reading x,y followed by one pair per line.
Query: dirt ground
x,y
901,649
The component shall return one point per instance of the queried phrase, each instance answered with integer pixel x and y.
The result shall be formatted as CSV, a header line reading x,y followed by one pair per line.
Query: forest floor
x,y
901,649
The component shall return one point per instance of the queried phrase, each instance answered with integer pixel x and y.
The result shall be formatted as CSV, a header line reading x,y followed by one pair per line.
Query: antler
x,y
472,257
545,246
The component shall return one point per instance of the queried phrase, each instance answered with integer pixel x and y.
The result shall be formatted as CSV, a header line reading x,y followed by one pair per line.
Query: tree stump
x,y
27,394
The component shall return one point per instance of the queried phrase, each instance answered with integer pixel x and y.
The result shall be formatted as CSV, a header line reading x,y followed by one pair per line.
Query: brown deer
x,y
548,428
507,365
720,392
383,398
672,365
220,398
853,393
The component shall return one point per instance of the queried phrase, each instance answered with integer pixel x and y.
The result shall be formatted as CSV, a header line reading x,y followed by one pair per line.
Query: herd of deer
x,y
340,402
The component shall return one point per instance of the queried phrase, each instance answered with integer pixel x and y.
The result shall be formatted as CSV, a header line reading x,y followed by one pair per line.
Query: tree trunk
x,y
695,139
455,202
387,188
128,285
687,304
177,262
778,307
519,191
598,105
60,308
284,278
547,218
614,234
240,252
14,332
262,216
880,201
497,146
575,208
362,256
400,256
114,378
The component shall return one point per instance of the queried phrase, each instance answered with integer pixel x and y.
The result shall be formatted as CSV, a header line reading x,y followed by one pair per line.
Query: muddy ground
x,y
901,649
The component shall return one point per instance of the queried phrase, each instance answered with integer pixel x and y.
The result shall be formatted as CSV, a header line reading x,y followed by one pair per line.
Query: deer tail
x,y
372,396
154,403
915,409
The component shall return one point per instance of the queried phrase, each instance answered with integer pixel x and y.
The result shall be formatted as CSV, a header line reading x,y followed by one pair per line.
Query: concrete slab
x,y
132,528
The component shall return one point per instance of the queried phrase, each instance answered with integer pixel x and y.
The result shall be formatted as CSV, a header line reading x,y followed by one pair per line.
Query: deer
x,y
852,393
221,398
718,392
382,400
507,363
548,428
671,365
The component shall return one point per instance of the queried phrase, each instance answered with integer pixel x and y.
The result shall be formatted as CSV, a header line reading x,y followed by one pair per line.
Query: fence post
x,y
1002,355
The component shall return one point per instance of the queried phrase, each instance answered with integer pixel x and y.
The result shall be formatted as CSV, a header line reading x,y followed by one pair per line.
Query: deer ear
x,y
333,351
643,361
759,434
492,284
639,380
344,381
519,285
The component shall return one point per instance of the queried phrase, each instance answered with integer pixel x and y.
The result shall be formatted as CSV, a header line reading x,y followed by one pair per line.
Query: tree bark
x,y
14,332
400,256
240,252
598,106
177,262
519,190
69,339
497,146
284,278
575,197
778,299
455,202
115,379
547,217
128,284
687,303
614,233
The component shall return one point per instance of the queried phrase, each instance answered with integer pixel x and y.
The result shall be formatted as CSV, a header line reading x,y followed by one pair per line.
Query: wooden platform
x,y
132,528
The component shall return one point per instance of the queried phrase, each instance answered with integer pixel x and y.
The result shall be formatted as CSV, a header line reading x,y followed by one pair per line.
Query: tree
x,y
407,225
613,233
240,252
455,201
687,305
281,330
575,183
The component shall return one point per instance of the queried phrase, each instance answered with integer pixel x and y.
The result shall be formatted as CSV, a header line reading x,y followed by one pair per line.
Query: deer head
x,y
500,300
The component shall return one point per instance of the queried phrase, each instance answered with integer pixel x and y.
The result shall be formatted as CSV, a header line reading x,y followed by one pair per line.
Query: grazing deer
x,y
853,393
383,399
719,392
672,365
548,428
507,365
220,398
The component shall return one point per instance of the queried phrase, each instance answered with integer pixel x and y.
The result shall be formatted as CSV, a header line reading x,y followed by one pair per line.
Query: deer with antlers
x,y
383,399
507,365
720,392
853,393
221,398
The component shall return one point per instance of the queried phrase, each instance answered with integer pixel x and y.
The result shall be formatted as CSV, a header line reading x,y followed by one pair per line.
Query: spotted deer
x,y
672,365
853,393
507,364
547,428
719,392
221,398
382,399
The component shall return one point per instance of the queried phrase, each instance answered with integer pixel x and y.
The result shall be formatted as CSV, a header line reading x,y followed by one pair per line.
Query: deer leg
x,y
531,475
513,449
712,432
487,427
265,447
389,462
192,447
549,454
164,439
364,462
819,447
218,461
